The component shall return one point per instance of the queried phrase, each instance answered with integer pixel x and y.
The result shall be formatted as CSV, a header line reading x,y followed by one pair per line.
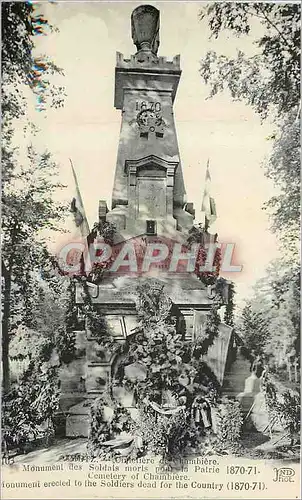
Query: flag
x,y
82,230
208,207
77,208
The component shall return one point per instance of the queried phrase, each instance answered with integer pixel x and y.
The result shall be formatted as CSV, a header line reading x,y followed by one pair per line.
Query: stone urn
x,y
145,27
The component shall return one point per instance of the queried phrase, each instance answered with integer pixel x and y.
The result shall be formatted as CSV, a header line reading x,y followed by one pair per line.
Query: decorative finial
x,y
145,28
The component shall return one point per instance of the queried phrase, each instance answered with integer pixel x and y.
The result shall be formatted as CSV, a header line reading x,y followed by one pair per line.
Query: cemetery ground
x,y
253,444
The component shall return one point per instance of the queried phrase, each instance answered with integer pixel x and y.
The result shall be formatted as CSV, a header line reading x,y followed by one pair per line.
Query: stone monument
x,y
148,205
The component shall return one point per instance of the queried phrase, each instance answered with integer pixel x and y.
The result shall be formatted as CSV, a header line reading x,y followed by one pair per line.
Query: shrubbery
x,y
169,436
283,405
29,408
229,422
171,365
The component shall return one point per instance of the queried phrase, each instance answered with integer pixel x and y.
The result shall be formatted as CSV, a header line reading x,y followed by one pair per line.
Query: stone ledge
x,y
148,62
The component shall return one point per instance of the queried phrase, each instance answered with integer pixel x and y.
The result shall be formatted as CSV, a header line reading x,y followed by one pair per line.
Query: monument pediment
x,y
149,163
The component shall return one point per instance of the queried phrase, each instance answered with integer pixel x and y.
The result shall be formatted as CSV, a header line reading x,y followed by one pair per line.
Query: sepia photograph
x,y
150,249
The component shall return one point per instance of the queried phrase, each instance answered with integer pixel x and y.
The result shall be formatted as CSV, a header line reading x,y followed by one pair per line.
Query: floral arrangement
x,y
108,419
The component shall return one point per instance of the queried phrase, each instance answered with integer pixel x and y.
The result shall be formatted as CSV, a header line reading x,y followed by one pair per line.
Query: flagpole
x,y
83,225
78,192
208,209
208,179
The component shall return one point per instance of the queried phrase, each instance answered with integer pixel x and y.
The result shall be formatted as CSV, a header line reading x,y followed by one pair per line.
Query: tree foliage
x,y
29,177
22,22
284,169
28,410
253,329
28,208
269,81
229,310
277,296
270,322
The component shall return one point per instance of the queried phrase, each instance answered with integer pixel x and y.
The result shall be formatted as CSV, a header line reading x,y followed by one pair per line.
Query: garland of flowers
x,y
211,330
167,436
229,422
197,234
166,357
210,279
95,322
226,440
65,342
96,325
230,306
156,345
106,230
65,337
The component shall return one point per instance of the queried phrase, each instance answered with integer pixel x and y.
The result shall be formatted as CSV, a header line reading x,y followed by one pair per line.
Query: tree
x,y
29,182
47,312
277,298
21,23
269,81
252,327
284,169
270,322
26,211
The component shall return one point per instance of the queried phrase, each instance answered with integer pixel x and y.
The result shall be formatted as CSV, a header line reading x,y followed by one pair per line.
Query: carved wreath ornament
x,y
149,118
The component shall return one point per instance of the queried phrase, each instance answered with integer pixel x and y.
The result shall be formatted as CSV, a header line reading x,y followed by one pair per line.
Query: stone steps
x,y
77,420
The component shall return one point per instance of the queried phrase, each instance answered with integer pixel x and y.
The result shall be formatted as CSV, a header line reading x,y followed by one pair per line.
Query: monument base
x,y
77,421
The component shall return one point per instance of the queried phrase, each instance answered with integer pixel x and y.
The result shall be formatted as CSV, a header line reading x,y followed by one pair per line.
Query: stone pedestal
x,y
251,388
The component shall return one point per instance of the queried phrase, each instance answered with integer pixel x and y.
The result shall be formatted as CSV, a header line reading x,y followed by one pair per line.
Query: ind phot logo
x,y
284,475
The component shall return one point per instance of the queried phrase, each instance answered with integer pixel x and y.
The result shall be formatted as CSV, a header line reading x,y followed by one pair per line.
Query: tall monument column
x,y
148,200
148,192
